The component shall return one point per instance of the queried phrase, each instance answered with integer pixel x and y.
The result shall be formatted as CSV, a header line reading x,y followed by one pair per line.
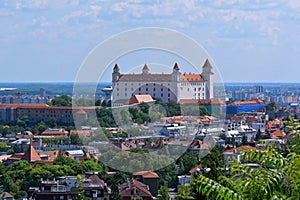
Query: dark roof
x,y
145,67
176,66
116,67
207,64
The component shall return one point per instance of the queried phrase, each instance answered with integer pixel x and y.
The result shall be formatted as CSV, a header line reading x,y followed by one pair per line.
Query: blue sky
x,y
47,40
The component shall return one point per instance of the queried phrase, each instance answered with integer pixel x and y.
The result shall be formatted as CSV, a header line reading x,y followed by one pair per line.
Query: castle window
x,y
153,89
125,89
162,89
117,94
168,94
125,84
161,95
125,94
139,89
146,89
168,89
195,89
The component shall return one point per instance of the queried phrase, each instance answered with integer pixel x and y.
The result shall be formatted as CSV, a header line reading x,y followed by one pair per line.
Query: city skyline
x,y
47,41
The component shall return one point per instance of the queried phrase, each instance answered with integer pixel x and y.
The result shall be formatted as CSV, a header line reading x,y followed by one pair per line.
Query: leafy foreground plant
x,y
276,177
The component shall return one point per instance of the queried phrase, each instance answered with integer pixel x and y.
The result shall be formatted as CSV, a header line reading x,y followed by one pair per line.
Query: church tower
x,y
207,74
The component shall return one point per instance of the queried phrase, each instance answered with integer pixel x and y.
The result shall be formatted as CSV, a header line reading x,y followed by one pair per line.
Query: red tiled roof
x,y
241,148
126,189
195,169
146,174
141,98
191,77
81,112
252,101
46,106
31,155
278,134
213,101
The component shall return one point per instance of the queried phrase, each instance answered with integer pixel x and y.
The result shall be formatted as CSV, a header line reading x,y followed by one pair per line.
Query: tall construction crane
x,y
13,91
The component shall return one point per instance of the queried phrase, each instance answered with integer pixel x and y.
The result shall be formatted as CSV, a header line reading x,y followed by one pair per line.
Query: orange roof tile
x,y
146,174
241,148
191,77
31,155
195,169
141,98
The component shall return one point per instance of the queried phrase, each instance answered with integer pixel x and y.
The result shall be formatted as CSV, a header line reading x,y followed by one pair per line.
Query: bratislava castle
x,y
175,86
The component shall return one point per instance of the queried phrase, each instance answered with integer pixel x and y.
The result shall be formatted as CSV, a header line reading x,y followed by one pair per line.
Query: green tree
x,y
184,193
187,162
213,163
276,177
271,106
63,100
164,193
244,140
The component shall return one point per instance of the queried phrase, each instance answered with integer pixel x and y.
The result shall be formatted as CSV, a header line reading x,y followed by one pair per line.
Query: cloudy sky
x,y
47,40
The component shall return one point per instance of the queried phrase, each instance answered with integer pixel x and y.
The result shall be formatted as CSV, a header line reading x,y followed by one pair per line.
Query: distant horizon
x,y
48,41
226,82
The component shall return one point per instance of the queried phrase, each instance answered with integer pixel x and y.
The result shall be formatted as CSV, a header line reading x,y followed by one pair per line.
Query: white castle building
x,y
175,86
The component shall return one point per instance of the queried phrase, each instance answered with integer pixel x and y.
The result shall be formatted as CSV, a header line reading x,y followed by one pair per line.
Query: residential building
x,y
68,188
135,190
44,112
149,178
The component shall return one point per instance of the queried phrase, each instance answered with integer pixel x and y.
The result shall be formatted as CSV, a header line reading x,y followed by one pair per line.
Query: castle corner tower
x,y
207,74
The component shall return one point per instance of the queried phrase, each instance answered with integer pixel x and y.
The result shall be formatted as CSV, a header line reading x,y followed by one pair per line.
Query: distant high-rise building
x,y
258,89
42,92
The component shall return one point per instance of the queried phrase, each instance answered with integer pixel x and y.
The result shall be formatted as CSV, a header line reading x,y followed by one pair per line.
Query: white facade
x,y
174,86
